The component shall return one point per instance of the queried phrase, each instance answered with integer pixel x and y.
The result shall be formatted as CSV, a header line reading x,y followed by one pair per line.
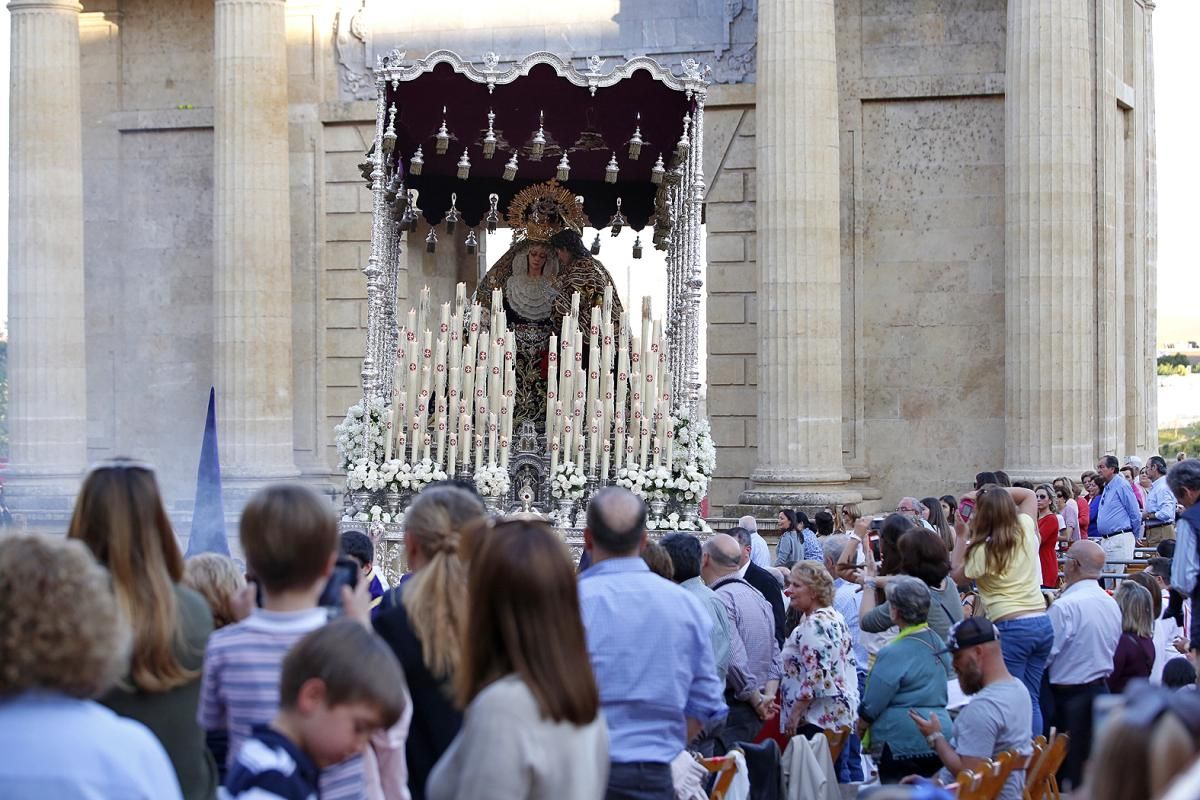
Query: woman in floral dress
x,y
820,685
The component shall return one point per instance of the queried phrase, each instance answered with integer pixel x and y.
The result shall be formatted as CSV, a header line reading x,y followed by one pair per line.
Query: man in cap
x,y
1000,713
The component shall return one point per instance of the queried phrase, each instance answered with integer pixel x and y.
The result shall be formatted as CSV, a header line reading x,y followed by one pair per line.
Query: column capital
x,y
69,6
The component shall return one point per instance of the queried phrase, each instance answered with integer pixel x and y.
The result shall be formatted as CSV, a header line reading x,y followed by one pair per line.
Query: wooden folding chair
x,y
837,739
724,767
1041,782
987,782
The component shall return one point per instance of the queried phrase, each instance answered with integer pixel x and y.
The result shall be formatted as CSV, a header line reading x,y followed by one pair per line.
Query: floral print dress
x,y
819,667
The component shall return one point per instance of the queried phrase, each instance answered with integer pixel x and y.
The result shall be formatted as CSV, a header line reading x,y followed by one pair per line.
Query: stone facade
x,y
956,352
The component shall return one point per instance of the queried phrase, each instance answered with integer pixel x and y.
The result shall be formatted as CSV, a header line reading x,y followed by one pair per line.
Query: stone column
x,y
47,355
251,243
1050,336
799,261
1145,427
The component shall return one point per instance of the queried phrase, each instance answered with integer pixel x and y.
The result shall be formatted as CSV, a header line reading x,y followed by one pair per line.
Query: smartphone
x,y
965,508
876,523
345,573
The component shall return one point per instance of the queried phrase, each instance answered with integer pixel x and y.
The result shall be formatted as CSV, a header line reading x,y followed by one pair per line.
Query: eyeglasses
x,y
1072,558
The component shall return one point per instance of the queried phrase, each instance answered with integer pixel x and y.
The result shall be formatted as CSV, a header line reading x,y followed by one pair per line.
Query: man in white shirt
x,y
1087,625
1159,513
760,551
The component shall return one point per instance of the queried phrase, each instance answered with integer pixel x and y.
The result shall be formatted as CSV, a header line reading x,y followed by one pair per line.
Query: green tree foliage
x,y
1174,360
1174,440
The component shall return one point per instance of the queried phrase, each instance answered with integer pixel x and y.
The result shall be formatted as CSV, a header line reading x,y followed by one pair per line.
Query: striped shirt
x,y
269,766
240,685
755,655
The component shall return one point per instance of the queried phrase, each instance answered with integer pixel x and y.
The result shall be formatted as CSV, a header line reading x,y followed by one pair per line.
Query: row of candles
x,y
453,396
620,417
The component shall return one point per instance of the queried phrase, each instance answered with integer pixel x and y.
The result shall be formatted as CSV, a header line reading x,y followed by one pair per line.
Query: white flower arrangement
x,y
492,481
632,478
693,444
375,514
363,475
674,522
687,484
362,435
567,482
402,475
656,483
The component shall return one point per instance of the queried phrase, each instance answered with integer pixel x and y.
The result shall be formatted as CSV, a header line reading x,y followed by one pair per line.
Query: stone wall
x,y
732,401
922,148
148,237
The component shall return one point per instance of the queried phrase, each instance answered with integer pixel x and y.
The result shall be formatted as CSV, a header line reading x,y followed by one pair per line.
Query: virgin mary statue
x,y
546,264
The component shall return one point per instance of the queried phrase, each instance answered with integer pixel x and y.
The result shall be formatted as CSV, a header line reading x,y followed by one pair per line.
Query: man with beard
x,y
999,716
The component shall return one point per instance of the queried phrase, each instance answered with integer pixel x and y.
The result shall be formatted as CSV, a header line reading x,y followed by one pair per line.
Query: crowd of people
x,y
924,642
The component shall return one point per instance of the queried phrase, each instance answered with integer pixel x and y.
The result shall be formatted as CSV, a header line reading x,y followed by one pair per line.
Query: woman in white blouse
x,y
532,727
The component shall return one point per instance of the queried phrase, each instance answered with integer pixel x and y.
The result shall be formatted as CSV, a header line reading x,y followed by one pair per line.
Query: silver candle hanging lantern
x,y
510,169
489,138
464,166
493,217
618,220
636,142
472,242
417,163
564,169
612,170
658,171
538,149
443,136
389,136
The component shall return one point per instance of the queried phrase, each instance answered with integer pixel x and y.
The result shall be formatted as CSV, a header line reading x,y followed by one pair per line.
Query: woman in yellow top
x,y
998,549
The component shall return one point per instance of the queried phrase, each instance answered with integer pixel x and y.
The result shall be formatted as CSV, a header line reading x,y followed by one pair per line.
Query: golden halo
x,y
538,212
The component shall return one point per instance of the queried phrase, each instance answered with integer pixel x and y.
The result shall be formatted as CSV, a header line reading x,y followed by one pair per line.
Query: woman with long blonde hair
x,y
119,515
998,549
424,620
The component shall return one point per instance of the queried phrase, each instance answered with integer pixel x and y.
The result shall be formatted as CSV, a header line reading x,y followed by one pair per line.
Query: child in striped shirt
x,y
289,537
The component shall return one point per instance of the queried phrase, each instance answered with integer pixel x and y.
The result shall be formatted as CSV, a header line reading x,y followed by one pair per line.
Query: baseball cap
x,y
970,632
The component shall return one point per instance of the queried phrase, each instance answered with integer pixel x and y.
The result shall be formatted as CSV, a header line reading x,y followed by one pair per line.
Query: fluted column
x,y
251,242
46,356
799,263
1050,336
1147,422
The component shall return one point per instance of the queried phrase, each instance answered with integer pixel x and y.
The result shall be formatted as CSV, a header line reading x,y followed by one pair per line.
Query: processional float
x,y
541,387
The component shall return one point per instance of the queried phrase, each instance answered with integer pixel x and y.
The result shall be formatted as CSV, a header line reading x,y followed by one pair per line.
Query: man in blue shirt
x,y
650,648
1184,482
1118,518
1159,514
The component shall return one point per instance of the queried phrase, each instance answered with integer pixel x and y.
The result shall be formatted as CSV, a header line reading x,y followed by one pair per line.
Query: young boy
x,y
357,545
289,536
340,684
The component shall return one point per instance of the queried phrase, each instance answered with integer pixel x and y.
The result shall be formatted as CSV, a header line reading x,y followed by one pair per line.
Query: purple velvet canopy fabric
x,y
589,128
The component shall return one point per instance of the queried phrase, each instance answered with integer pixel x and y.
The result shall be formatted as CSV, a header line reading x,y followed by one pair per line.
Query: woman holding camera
x,y
997,547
